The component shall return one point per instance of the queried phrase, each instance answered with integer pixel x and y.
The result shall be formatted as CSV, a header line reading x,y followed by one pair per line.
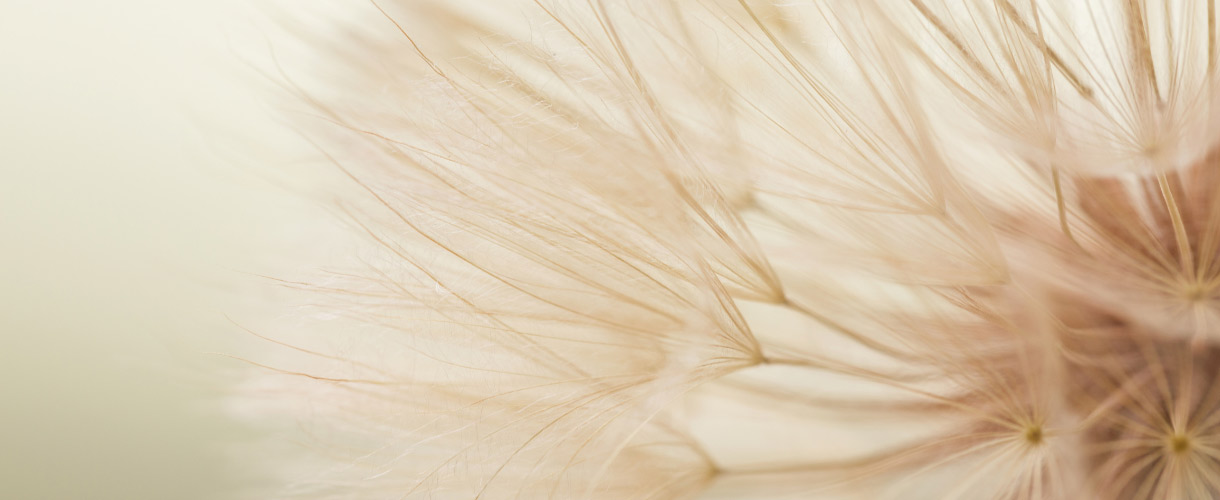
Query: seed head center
x,y
1033,434
1179,443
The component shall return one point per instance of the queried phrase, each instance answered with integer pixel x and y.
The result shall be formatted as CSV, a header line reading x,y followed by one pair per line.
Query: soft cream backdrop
x,y
126,223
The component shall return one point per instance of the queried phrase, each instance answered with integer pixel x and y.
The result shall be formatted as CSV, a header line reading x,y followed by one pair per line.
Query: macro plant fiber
x,y
749,249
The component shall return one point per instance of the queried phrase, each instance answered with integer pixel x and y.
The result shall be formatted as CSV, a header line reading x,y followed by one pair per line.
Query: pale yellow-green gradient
x,y
126,224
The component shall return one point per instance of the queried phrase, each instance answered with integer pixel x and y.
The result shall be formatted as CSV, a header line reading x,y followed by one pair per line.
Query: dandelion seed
x,y
755,249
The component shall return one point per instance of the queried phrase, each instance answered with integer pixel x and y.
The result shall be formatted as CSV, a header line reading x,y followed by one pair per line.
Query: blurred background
x,y
134,207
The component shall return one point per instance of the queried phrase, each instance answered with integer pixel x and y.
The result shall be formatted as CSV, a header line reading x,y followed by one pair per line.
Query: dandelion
x,y
626,249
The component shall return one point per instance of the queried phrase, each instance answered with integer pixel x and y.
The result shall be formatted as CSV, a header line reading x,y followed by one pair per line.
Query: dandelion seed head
x,y
755,249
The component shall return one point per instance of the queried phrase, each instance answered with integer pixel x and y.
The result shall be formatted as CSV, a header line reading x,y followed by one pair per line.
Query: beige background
x,y
127,222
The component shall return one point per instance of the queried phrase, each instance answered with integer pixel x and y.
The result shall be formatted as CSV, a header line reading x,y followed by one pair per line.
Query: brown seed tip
x,y
1179,443
1033,434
